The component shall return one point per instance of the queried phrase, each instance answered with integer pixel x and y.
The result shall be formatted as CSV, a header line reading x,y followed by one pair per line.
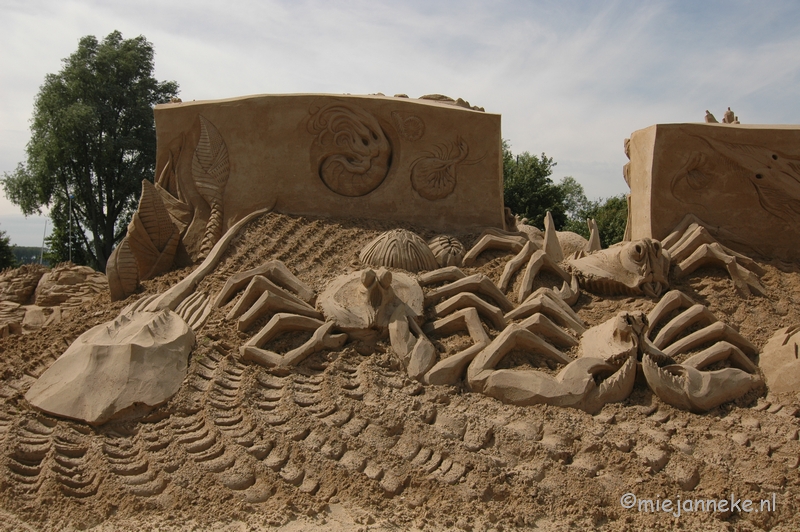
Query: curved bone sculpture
x,y
399,248
685,385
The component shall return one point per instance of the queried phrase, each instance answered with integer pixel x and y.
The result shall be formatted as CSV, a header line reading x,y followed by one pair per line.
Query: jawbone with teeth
x,y
686,387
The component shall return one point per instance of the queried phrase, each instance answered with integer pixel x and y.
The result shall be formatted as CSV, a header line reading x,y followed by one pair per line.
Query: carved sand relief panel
x,y
744,181
341,156
350,152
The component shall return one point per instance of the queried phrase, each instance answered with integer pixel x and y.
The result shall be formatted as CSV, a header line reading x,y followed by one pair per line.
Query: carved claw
x,y
692,246
688,388
574,386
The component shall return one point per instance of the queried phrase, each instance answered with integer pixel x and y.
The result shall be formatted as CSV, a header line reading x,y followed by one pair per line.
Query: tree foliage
x,y
7,258
528,190
530,193
26,254
93,138
611,214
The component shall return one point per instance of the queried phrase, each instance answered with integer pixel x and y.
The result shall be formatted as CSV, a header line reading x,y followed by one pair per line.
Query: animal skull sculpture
x,y
632,268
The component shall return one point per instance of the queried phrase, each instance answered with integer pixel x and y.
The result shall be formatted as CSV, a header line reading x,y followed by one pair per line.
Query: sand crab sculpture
x,y
360,305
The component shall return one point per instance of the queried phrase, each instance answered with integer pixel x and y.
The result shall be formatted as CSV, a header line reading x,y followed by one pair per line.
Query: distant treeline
x,y
27,255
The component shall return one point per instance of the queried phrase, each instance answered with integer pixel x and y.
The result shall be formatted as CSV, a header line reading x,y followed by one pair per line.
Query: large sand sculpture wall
x,y
421,161
742,180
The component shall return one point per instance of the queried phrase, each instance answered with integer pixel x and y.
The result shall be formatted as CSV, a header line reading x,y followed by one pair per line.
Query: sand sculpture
x,y
414,160
360,150
138,360
504,320
742,181
33,296
779,361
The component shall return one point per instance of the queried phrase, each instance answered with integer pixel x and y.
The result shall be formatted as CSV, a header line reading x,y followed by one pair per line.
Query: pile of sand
x,y
346,441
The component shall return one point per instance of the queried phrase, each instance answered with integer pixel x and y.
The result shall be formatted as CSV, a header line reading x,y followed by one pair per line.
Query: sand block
x,y
428,162
779,361
742,180
139,359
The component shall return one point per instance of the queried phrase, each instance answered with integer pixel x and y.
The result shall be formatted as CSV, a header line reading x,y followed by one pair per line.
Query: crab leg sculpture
x,y
630,268
374,303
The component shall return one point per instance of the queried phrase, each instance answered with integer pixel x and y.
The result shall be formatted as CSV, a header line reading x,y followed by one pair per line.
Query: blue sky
x,y
570,79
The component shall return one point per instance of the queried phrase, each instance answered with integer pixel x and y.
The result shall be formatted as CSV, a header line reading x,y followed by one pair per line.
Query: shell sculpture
x,y
447,250
399,248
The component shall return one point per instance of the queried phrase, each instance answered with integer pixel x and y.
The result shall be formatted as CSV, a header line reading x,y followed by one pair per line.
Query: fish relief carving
x,y
410,127
351,152
774,176
210,170
435,174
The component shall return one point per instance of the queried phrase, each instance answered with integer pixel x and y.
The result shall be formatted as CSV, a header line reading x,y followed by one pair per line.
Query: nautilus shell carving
x,y
434,175
351,153
399,248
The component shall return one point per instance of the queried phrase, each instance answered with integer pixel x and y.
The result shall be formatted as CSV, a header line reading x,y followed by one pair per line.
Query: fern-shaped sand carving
x,y
210,169
152,236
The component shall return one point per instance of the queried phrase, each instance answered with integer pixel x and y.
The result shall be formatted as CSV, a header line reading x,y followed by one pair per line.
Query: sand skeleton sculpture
x,y
437,164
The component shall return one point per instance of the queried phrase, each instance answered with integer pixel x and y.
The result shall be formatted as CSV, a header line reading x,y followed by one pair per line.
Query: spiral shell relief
x,y
399,248
351,152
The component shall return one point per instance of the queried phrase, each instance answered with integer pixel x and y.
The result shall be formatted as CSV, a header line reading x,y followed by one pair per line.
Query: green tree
x,y
92,138
7,258
528,190
611,214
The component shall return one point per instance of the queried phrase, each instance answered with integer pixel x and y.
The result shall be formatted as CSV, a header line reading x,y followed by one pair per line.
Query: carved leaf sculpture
x,y
210,170
152,236
168,186
122,271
